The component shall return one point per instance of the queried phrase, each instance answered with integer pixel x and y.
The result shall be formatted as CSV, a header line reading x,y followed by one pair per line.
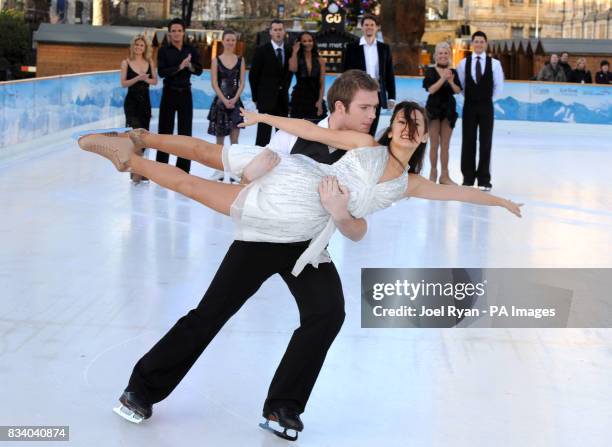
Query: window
x,y
517,32
532,32
78,12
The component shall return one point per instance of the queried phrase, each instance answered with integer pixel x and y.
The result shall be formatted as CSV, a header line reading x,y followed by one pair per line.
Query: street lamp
x,y
537,30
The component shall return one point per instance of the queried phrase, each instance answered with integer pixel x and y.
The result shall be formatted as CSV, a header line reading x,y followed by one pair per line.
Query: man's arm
x,y
335,198
390,75
498,78
196,65
282,142
461,73
347,58
255,73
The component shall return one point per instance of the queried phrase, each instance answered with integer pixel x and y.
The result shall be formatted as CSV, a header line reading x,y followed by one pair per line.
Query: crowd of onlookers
x,y
558,69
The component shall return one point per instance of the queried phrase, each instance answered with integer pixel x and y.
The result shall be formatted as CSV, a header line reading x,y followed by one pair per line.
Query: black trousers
x,y
175,102
477,118
264,131
318,293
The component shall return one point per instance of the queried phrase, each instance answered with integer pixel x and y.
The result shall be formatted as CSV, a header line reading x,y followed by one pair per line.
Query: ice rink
x,y
94,270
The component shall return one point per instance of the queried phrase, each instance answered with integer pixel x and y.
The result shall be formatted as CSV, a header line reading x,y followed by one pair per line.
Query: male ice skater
x,y
176,62
353,99
483,80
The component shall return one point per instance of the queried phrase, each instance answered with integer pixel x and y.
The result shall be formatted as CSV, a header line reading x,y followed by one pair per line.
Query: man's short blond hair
x,y
346,85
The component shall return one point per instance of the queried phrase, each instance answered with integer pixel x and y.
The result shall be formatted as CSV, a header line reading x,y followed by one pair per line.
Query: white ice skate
x,y
133,409
128,415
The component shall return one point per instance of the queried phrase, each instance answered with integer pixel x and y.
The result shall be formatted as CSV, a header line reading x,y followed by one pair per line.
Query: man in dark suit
x,y
373,57
269,78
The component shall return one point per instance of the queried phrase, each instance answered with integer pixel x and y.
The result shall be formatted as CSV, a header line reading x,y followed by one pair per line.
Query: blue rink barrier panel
x,y
35,108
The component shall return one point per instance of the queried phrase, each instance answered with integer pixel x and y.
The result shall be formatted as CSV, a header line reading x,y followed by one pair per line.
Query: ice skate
x,y
284,423
132,409
136,136
117,149
217,176
260,165
114,132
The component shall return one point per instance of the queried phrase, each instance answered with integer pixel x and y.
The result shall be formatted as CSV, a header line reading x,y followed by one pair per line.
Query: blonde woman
x,y
581,75
137,74
442,83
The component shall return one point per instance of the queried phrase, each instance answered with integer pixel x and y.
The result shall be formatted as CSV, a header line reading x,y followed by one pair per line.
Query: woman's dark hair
x,y
604,62
315,48
408,107
229,31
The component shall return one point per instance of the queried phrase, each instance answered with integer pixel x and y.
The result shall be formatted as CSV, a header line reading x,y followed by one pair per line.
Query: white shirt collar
x,y
275,46
363,41
324,122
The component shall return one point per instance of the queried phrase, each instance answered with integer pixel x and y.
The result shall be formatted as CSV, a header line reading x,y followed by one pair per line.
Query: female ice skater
x,y
286,196
290,198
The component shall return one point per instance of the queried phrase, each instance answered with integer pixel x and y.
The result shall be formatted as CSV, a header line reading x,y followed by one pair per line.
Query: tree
x,y
187,11
14,36
260,8
403,25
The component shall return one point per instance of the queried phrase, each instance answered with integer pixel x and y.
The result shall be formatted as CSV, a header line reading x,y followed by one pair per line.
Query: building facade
x,y
587,19
516,19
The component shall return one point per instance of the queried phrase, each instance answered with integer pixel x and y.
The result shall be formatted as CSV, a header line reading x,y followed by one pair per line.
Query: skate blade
x,y
108,132
285,433
128,414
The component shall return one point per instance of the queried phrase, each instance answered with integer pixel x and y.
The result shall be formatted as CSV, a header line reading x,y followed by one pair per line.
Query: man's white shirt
x,y
283,142
371,56
498,73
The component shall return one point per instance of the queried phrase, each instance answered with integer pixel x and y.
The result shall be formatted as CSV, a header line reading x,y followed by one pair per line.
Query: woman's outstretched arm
x,y
340,139
419,186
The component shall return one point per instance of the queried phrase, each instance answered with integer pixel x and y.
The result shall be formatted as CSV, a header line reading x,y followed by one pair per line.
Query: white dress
x,y
284,205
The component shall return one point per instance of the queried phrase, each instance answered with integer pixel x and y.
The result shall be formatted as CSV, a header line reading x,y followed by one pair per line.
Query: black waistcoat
x,y
317,151
483,91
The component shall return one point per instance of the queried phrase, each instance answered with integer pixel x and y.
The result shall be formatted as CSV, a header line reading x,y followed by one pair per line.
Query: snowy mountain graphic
x,y
551,110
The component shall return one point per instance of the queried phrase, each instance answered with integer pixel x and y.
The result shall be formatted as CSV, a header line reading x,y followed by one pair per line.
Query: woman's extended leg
x,y
434,142
208,154
215,195
125,155
445,136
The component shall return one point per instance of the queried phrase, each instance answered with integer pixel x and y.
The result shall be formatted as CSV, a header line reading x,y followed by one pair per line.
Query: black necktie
x,y
478,70
279,56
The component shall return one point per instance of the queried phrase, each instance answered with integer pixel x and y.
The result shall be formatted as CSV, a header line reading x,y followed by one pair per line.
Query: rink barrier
x,y
33,108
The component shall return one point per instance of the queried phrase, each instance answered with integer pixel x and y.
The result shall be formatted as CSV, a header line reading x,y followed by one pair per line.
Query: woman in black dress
x,y
307,96
442,83
227,72
137,74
